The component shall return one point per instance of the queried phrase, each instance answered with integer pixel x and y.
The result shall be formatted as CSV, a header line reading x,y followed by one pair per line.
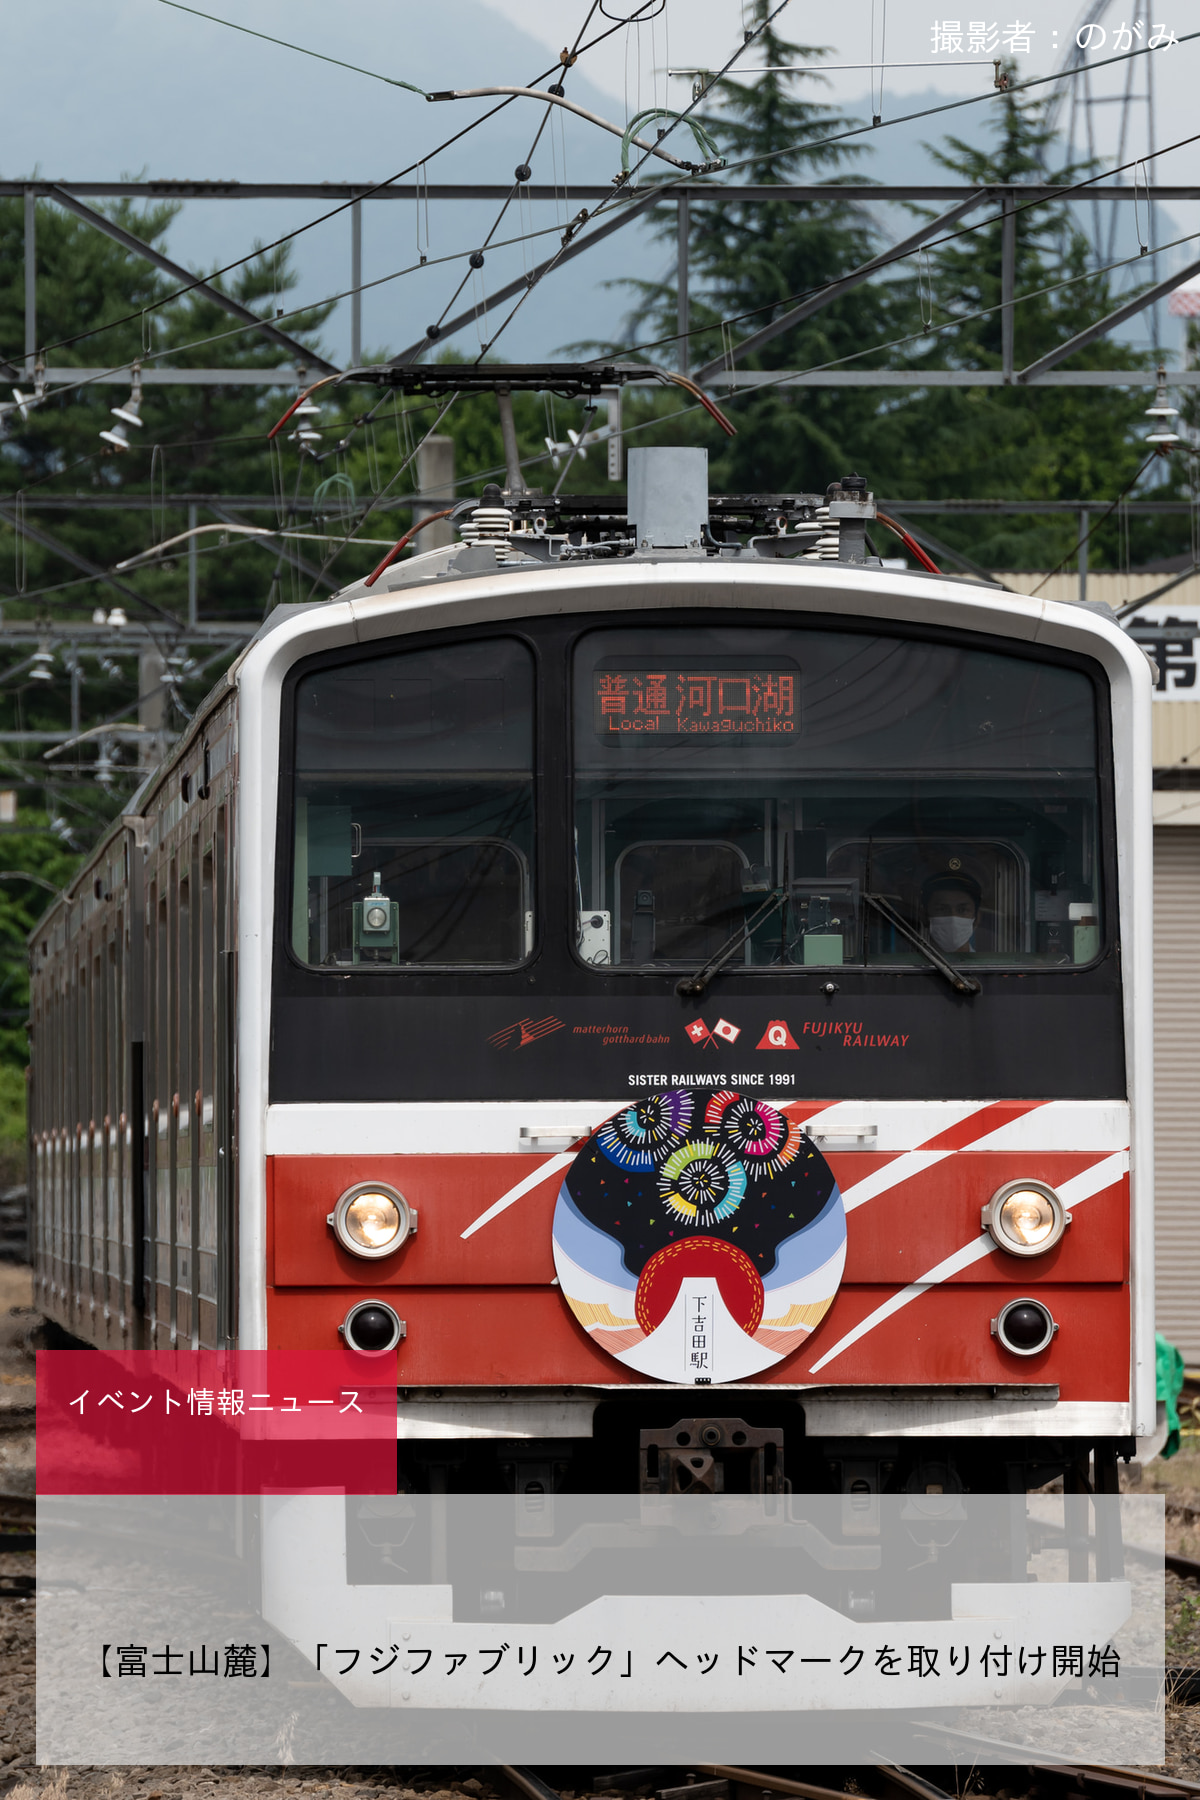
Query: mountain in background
x,y
141,89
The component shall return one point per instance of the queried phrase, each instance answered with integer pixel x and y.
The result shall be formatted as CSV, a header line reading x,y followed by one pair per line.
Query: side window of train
x,y
413,817
780,797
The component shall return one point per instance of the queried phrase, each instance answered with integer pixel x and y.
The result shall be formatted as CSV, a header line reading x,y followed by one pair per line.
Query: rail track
x,y
1020,1780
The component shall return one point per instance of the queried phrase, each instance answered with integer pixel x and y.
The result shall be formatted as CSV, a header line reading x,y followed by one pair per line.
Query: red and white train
x,y
674,988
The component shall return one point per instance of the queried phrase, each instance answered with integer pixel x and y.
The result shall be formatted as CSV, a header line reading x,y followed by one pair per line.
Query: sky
x,y
142,88
705,32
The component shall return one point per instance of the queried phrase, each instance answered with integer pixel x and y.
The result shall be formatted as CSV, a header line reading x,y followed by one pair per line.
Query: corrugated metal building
x,y
1171,630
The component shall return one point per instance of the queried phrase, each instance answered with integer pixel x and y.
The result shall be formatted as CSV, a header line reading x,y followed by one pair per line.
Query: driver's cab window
x,y
814,798
413,810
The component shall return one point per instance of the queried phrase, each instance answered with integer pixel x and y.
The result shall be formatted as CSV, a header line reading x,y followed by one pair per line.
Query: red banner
x,y
213,1422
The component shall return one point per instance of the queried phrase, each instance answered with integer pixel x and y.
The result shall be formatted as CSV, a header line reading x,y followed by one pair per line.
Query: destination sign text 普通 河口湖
x,y
695,702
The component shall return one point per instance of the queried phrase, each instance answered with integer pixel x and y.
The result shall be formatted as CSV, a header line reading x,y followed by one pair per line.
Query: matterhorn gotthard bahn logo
x,y
699,1236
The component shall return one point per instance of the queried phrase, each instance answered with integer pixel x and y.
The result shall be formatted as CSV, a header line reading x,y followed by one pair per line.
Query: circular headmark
x,y
699,1236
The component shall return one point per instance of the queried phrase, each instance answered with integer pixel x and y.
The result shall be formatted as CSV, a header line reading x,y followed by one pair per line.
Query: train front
x,y
693,982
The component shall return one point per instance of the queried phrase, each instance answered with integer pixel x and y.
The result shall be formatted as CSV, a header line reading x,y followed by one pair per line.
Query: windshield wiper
x,y
962,984
689,986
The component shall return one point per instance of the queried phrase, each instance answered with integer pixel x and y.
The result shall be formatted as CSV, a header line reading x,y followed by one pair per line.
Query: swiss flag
x,y
723,1029
698,1031
777,1037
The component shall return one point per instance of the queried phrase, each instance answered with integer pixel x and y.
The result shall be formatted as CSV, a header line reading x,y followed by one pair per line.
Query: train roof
x,y
669,529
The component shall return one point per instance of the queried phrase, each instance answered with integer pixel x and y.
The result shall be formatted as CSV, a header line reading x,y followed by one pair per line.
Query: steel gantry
x,y
955,203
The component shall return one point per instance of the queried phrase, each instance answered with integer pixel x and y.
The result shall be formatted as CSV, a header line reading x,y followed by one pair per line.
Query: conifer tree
x,y
751,260
1015,442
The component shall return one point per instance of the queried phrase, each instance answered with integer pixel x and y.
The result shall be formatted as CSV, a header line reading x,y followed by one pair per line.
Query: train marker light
x,y
372,1220
1025,1218
1024,1327
372,1328
376,921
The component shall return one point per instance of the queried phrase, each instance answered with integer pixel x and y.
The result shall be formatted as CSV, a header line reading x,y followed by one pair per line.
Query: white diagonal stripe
x,y
1062,1125
1092,1181
551,1166
913,1162
902,1125
1074,1192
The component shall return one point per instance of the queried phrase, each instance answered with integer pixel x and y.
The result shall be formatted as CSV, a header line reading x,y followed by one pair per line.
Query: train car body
x,y
632,979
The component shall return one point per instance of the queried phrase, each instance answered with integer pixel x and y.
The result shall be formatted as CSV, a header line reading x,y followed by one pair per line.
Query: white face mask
x,y
951,933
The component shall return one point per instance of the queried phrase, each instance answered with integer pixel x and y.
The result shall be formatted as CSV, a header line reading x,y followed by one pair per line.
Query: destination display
x,y
695,702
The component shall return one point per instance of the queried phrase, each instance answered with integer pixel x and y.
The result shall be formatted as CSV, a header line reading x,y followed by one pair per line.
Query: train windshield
x,y
821,798
414,809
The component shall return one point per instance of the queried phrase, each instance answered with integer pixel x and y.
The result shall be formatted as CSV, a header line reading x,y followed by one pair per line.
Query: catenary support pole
x,y
152,710
514,481
1083,552
193,566
30,280
356,284
435,483
682,229
1008,284
1152,148
616,457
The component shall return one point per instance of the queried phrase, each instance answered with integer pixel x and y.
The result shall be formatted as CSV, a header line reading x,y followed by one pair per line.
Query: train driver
x,y
950,906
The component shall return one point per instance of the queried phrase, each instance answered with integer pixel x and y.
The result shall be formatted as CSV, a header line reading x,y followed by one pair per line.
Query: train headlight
x,y
376,917
1026,1218
372,1220
372,1328
1024,1327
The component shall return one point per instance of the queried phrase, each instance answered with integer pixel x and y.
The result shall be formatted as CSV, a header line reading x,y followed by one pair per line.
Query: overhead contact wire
x,y
631,174
301,49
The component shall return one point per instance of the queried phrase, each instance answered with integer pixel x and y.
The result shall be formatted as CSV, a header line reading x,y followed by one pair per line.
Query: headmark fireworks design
x,y
644,1133
762,1137
702,1182
688,1198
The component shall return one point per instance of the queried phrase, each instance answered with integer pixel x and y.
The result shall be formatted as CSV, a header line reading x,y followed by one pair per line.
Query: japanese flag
x,y
698,1031
723,1029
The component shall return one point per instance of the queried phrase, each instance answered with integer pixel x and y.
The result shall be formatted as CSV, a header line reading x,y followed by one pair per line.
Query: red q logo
x,y
777,1037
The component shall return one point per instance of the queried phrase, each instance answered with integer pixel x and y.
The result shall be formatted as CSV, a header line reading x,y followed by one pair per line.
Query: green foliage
x,y
212,439
1015,442
33,850
93,301
93,309
12,1122
749,264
